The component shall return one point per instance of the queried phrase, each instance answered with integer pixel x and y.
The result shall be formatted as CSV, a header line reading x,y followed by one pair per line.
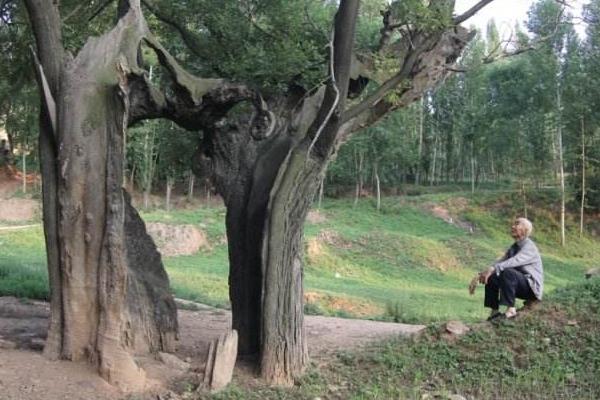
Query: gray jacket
x,y
525,257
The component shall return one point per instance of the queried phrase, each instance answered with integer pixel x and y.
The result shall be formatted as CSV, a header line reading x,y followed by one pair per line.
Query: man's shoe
x,y
495,315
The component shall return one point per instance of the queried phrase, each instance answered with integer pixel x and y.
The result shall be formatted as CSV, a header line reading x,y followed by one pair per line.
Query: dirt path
x,y
17,227
26,375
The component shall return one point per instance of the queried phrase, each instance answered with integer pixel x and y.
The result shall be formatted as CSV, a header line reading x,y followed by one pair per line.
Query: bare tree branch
x,y
47,98
431,61
73,12
336,90
46,28
386,87
335,96
471,11
98,10
191,40
491,57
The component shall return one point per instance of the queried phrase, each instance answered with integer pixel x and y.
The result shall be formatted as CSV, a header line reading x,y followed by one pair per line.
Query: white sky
x,y
507,12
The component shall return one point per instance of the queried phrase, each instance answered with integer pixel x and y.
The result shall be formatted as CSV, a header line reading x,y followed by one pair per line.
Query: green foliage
x,y
267,43
421,15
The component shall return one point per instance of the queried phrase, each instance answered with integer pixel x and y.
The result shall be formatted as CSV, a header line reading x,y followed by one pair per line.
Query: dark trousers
x,y
505,288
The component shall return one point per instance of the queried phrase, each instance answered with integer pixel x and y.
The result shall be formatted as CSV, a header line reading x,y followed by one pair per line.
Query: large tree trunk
x,y
109,292
115,298
284,348
243,172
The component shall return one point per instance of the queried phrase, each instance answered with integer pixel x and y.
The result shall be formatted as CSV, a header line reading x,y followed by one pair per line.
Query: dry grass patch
x,y
343,305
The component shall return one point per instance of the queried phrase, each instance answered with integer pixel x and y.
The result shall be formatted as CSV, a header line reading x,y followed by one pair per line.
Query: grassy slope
x,y
402,263
551,352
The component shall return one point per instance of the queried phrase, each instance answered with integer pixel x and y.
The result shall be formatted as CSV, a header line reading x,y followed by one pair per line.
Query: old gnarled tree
x,y
110,297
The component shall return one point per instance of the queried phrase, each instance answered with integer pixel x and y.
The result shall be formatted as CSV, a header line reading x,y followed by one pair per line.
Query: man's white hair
x,y
527,224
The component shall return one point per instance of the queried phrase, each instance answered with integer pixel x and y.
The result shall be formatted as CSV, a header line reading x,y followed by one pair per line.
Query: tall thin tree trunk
x,y
472,169
378,188
321,189
524,197
583,190
561,168
24,166
433,166
420,150
359,158
207,194
132,176
169,189
191,180
150,158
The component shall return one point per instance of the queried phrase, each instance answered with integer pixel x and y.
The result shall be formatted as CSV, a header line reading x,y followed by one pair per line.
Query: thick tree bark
x,y
109,291
284,348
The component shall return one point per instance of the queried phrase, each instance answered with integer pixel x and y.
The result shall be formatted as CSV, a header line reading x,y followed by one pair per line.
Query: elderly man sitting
x,y
519,274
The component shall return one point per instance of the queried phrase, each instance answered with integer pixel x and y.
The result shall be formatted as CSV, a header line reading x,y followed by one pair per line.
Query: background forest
x,y
520,113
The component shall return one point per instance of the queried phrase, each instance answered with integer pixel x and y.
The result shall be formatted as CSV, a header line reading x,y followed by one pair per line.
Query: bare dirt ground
x,y
16,210
26,375
8,185
11,209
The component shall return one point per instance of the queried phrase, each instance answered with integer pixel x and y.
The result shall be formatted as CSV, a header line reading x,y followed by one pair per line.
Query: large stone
x,y
457,328
222,355
592,272
7,344
173,361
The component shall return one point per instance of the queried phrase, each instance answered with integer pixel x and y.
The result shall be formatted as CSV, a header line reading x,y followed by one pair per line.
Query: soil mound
x,y
316,217
15,210
177,240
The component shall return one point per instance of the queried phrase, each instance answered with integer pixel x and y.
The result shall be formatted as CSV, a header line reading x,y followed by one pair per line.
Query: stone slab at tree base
x,y
457,328
222,355
173,361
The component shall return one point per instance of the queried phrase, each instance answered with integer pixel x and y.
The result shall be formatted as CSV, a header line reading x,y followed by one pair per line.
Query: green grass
x,y
551,352
401,263
23,264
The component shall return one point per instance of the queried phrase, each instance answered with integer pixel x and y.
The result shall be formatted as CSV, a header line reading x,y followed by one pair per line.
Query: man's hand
x,y
485,275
